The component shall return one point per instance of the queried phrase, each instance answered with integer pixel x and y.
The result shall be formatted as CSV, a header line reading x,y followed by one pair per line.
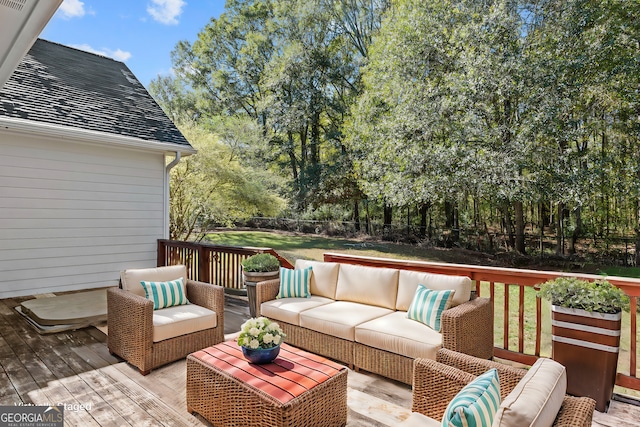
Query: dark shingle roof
x,y
69,87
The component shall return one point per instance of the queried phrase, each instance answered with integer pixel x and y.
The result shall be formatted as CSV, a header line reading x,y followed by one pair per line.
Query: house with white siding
x,y
85,154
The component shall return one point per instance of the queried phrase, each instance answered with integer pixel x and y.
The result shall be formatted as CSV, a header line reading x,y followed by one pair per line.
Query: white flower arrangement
x,y
260,333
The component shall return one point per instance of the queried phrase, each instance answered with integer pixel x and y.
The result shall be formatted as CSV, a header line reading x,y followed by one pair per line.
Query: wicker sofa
x,y
358,315
533,397
149,338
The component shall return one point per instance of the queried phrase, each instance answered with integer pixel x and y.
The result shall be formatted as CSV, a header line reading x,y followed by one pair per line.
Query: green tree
x,y
211,187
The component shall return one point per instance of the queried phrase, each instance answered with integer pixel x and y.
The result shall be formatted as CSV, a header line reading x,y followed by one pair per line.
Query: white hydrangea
x,y
260,333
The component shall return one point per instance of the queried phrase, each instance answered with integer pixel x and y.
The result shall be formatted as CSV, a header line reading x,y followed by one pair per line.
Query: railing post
x,y
162,251
203,264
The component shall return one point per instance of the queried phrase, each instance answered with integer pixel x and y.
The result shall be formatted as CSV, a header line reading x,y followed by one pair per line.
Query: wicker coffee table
x,y
297,389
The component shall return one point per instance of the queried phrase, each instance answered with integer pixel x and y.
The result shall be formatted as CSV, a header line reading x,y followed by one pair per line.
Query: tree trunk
x,y
638,224
356,214
388,214
423,218
577,231
367,218
448,213
560,230
542,222
456,224
314,155
520,241
508,224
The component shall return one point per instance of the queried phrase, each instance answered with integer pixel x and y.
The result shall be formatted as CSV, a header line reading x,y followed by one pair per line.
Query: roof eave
x,y
48,130
19,29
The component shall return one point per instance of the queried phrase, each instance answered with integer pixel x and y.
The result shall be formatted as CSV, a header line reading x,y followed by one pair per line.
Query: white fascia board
x,y
20,26
48,130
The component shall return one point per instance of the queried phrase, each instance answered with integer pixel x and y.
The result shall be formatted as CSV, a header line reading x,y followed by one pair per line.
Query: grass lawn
x,y
295,246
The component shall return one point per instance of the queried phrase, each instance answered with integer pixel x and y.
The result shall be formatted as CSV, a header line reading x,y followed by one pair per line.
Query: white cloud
x,y
118,54
166,11
72,9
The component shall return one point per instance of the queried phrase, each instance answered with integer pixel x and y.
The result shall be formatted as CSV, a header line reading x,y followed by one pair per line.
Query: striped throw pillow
x,y
427,306
477,403
295,283
166,294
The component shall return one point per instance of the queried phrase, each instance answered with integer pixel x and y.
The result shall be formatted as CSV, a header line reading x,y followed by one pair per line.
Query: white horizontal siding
x,y
72,216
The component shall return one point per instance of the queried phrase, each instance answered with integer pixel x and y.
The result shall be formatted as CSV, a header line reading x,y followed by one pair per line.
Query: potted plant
x,y
585,321
258,268
260,339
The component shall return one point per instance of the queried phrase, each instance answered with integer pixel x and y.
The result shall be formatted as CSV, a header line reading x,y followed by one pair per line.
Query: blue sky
x,y
140,33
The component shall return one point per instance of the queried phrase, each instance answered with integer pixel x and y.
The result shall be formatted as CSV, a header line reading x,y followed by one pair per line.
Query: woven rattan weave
x,y
437,382
297,389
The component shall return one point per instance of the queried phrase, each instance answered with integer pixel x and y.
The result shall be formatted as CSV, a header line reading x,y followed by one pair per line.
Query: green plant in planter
x,y
261,263
599,296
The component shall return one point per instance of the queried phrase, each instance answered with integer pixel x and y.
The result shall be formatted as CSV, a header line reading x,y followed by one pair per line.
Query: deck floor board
x,y
75,368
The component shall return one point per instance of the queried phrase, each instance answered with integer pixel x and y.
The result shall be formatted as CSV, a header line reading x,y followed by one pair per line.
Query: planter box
x,y
587,344
250,280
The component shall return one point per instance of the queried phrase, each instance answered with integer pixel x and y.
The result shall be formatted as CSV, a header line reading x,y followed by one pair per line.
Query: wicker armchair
x,y
131,319
437,382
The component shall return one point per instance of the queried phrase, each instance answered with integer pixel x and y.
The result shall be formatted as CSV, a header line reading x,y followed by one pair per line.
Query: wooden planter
x,y
250,280
587,344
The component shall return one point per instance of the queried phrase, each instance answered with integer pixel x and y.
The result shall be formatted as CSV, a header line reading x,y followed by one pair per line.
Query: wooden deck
x,y
75,369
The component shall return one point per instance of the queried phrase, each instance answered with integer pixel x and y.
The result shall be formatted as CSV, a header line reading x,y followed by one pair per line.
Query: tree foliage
x,y
212,187
505,114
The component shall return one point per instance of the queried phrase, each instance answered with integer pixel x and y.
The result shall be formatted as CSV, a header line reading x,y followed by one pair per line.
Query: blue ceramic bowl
x,y
260,356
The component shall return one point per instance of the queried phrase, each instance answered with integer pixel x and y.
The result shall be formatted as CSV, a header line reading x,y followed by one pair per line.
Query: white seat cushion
x,y
397,334
340,318
536,399
289,309
179,320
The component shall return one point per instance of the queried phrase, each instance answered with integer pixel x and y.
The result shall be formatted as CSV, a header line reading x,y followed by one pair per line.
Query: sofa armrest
x,y
266,291
509,376
468,328
575,412
435,385
208,296
130,325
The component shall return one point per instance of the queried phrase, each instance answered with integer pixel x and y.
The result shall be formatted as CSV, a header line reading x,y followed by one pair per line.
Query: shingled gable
x,y
66,87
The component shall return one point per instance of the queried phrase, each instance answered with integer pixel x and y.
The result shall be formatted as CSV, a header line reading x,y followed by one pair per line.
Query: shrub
x,y
599,296
261,263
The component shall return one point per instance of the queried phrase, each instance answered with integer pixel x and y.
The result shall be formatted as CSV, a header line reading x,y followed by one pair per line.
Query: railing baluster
x,y
538,325
633,311
505,323
521,320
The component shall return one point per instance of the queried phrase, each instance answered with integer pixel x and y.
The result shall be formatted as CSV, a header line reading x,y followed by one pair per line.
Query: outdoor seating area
x,y
359,316
75,369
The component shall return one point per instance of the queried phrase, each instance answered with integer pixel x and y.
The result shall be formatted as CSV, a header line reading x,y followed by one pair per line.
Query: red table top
x,y
292,373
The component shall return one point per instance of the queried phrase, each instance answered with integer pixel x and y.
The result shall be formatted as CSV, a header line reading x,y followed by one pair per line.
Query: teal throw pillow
x,y
166,294
477,403
427,306
295,283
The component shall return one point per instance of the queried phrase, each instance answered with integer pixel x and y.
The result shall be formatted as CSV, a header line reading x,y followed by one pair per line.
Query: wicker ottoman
x,y
297,389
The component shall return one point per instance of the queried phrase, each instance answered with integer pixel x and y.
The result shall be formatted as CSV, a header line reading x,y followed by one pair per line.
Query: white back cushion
x,y
324,277
536,399
408,282
368,285
131,278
